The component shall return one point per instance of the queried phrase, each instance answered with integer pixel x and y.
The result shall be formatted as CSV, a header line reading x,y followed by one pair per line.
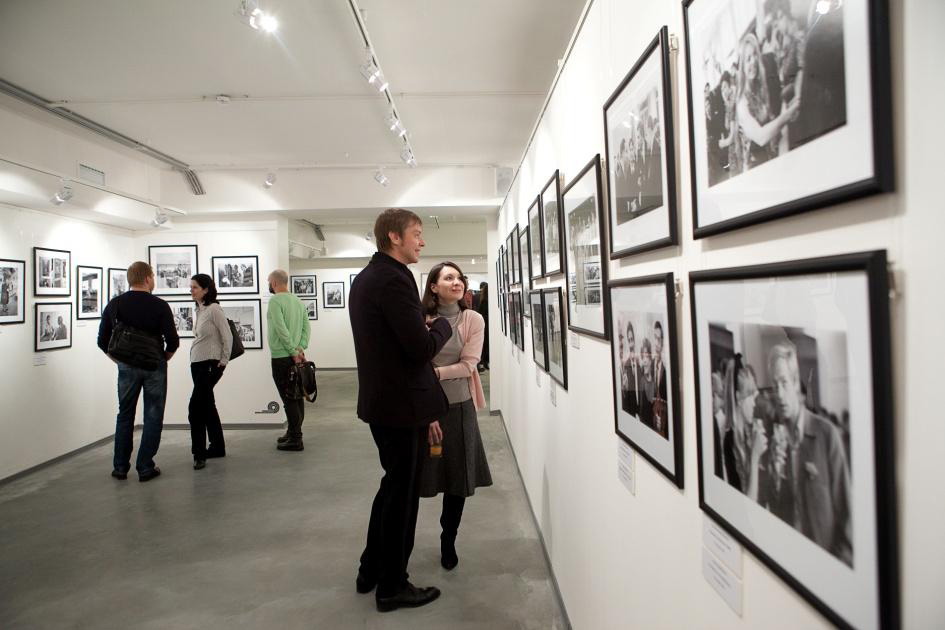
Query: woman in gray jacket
x,y
208,357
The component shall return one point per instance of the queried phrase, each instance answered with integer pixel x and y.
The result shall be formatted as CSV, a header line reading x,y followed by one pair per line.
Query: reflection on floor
x,y
261,539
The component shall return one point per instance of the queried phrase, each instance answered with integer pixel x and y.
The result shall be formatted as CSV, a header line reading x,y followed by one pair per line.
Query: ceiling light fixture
x,y
407,156
63,195
270,180
372,72
394,124
380,177
160,217
252,16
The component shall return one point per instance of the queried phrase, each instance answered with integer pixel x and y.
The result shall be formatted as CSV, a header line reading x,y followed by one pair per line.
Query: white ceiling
x,y
468,77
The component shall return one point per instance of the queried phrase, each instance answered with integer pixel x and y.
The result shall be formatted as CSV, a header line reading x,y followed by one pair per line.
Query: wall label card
x,y
39,360
575,342
722,545
626,466
722,580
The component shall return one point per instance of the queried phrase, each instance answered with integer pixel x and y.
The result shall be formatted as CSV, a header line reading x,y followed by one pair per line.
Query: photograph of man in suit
x,y
631,379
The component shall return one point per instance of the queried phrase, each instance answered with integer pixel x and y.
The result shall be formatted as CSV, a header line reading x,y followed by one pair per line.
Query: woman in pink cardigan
x,y
462,467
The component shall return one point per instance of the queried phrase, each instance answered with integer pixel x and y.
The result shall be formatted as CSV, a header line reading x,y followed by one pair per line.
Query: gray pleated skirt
x,y
463,466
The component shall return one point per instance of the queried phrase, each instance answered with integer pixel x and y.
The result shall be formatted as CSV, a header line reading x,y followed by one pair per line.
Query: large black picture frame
x,y
664,452
18,292
592,168
855,285
339,285
538,324
97,314
222,290
879,102
552,265
43,341
660,47
183,282
524,243
557,295
41,291
536,239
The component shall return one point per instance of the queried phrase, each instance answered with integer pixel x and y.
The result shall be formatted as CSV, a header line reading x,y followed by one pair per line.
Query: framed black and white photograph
x,y
792,109
555,335
236,274
536,308
88,294
174,266
794,426
506,269
311,307
52,272
525,257
515,261
647,411
583,213
517,319
12,291
304,285
536,259
641,165
53,326
117,282
185,317
550,202
247,315
333,294
503,312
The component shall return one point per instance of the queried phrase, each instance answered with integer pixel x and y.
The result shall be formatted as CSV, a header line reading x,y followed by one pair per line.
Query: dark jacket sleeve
x,y
105,327
169,330
401,309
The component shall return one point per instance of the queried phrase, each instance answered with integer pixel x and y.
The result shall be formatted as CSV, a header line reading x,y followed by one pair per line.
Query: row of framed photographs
x,y
793,414
306,287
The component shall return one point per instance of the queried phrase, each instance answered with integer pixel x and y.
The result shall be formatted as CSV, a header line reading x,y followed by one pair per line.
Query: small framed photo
x,y
12,291
236,274
515,266
185,317
592,272
304,285
641,167
506,271
173,265
647,411
795,426
550,202
516,319
583,212
536,308
504,312
333,294
789,107
117,282
53,326
52,272
311,307
89,293
555,335
536,231
524,256
247,315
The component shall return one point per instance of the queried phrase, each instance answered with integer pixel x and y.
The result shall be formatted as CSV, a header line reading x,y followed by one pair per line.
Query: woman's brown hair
x,y
431,300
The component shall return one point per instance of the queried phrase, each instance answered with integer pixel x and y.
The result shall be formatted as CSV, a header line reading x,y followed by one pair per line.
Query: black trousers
x,y
451,516
294,407
202,411
393,522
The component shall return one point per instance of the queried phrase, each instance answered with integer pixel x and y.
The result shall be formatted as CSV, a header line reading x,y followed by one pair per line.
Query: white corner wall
x,y
625,560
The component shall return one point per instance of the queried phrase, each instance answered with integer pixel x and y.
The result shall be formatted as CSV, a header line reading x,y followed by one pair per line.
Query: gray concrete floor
x,y
260,539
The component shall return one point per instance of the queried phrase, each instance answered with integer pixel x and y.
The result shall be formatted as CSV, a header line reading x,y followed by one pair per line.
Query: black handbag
x,y
302,383
237,349
134,347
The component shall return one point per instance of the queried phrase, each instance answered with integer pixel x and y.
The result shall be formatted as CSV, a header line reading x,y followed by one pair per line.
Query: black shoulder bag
x,y
302,383
134,347
237,349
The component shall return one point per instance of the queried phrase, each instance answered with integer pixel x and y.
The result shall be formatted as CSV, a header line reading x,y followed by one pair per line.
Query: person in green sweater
x,y
288,338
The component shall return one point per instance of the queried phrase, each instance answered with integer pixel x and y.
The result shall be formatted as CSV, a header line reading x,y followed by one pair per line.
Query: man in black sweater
x,y
398,395
146,313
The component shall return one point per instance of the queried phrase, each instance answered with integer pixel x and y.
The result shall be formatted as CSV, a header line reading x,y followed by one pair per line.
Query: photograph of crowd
x,y
333,294
117,282
12,287
551,217
781,425
539,353
246,316
90,292
185,313
303,285
637,156
53,326
555,336
643,383
51,272
173,267
236,274
584,234
775,80
516,319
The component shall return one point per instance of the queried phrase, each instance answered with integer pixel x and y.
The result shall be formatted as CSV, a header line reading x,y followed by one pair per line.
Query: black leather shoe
x,y
117,474
363,584
200,464
291,445
409,597
215,454
448,557
283,439
148,475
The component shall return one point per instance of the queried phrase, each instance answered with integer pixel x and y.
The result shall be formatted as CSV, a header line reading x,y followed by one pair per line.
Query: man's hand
x,y
434,433
299,358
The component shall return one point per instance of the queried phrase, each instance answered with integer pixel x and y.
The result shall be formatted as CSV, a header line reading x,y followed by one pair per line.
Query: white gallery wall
x,y
624,560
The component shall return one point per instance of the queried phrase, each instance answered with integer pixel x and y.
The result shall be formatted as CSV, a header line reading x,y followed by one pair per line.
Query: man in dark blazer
x,y
399,396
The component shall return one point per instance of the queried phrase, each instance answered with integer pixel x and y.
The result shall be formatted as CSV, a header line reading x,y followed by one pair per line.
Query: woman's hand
x,y
221,365
434,433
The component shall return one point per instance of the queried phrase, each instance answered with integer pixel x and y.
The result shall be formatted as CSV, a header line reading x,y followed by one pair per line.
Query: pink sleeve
x,y
472,349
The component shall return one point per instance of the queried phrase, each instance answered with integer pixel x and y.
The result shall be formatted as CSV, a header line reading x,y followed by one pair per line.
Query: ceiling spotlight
x,y
407,156
250,14
373,74
380,177
63,195
270,180
160,218
268,23
394,124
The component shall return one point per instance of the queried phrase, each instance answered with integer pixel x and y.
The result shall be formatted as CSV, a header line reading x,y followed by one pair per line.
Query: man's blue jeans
x,y
130,382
